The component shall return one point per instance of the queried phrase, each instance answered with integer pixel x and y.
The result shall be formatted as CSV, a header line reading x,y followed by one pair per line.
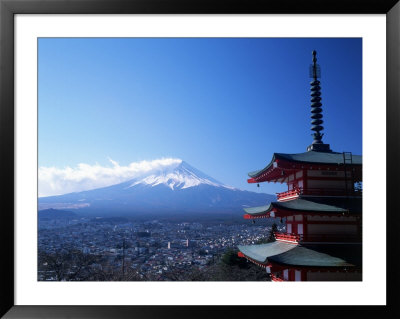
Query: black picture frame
x,y
8,8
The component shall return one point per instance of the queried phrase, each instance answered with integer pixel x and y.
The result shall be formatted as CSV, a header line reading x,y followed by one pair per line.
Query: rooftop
x,y
324,205
311,157
326,255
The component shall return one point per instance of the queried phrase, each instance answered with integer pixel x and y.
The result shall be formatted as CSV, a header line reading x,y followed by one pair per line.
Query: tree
x,y
68,265
231,258
274,228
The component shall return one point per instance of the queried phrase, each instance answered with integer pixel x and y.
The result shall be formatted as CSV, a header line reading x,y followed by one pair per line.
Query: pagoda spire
x,y
316,110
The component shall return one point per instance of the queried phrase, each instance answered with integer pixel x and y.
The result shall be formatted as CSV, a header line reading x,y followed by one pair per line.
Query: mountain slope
x,y
176,189
179,177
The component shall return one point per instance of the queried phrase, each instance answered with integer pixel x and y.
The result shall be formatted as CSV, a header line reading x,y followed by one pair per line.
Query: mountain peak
x,y
179,175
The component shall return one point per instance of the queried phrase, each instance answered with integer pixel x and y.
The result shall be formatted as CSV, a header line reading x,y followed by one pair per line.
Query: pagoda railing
x,y
288,194
317,192
296,238
287,237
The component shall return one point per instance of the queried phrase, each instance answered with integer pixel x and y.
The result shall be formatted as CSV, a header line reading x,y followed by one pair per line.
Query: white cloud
x,y
56,181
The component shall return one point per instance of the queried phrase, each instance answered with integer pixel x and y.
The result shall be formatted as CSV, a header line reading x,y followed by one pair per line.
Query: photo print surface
x,y
199,159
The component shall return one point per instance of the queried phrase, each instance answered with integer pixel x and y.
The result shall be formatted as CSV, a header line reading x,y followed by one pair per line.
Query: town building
x,y
322,209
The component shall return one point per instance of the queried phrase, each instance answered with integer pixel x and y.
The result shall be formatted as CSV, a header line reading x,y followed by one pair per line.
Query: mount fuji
x,y
179,176
175,189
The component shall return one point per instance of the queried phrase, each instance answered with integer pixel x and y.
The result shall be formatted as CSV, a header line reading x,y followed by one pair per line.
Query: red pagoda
x,y
322,209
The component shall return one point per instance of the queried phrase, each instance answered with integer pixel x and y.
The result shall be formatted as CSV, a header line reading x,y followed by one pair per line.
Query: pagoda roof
x,y
322,255
310,157
261,252
330,205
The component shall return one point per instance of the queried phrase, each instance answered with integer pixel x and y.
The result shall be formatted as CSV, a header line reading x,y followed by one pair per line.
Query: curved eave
x,y
260,253
286,162
258,212
285,254
302,205
256,174
288,208
304,257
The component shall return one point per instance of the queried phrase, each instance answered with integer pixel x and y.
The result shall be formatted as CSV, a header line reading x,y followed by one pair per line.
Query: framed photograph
x,y
159,158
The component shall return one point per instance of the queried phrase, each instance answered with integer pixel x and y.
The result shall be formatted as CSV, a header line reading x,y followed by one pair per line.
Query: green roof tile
x,y
261,252
311,157
329,255
312,204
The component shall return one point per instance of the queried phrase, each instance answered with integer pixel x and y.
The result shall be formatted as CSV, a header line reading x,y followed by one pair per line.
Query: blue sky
x,y
222,105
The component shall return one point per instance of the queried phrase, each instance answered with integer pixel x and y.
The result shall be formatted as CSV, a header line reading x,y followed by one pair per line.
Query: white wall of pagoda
x,y
328,174
334,276
319,179
291,274
294,224
314,225
324,184
326,229
325,218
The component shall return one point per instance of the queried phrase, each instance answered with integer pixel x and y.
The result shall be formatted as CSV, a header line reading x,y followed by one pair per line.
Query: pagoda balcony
x,y
293,238
301,238
295,193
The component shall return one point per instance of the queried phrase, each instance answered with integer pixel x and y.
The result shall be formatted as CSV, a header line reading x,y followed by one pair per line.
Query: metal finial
x,y
316,110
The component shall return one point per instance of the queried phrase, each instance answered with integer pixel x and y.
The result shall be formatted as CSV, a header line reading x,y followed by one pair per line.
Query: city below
x,y
121,248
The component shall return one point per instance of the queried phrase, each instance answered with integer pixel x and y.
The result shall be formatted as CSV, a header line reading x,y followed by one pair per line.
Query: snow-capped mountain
x,y
178,177
178,188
